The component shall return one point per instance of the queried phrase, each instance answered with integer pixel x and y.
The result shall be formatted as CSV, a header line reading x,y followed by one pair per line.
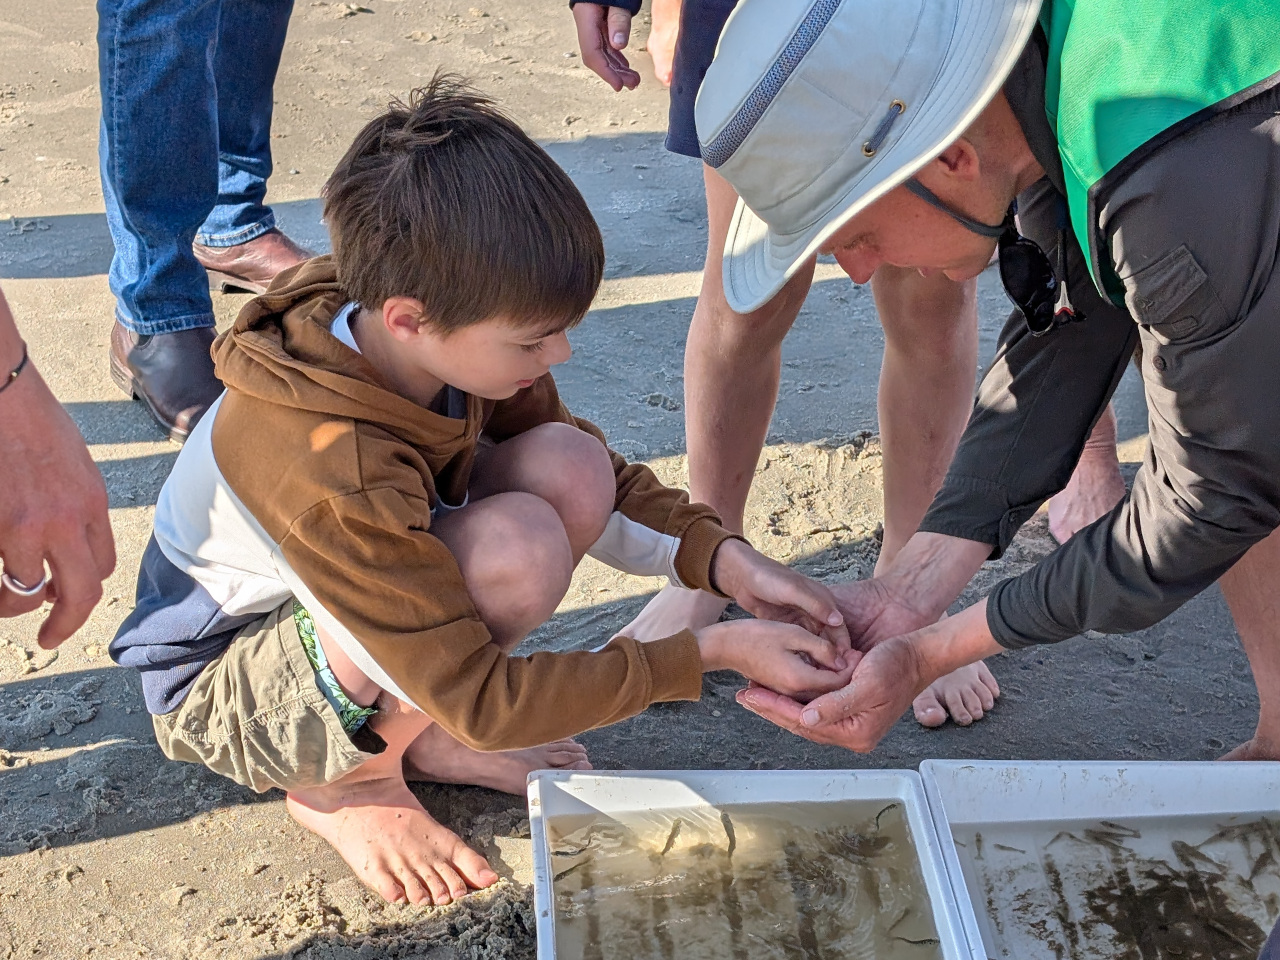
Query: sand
x,y
107,850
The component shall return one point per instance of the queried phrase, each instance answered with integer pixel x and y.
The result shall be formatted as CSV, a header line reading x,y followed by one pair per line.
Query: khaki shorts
x,y
257,715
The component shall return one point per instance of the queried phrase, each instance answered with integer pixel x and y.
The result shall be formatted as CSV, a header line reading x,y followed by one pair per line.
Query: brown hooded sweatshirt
x,y
341,475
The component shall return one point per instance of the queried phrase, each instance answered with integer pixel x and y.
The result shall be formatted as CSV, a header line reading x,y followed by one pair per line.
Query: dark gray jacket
x,y
1193,232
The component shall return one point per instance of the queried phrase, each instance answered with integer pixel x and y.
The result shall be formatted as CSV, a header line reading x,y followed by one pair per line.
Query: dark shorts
x,y
700,24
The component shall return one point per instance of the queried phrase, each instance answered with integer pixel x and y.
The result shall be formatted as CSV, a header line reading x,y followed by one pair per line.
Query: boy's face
x,y
492,359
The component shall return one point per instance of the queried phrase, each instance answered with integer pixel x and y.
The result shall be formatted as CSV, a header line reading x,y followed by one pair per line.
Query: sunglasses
x,y
1025,271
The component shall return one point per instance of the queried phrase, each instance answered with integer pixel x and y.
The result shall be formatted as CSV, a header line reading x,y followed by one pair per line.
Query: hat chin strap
x,y
981,229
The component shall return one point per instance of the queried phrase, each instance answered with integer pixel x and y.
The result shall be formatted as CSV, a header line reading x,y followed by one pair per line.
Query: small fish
x,y
671,837
883,812
977,842
1193,858
926,940
728,832
1121,829
564,873
1108,839
1264,858
1009,849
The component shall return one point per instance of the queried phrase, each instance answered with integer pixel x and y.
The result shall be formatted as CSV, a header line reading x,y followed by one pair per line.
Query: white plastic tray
x,y
966,794
553,794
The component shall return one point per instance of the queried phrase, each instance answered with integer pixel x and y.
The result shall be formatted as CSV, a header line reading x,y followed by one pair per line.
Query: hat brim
x,y
988,39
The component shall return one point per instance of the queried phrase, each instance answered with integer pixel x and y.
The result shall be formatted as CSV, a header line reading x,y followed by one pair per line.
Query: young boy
x,y
390,495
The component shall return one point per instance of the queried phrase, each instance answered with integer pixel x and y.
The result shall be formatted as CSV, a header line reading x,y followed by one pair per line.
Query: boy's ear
x,y
403,317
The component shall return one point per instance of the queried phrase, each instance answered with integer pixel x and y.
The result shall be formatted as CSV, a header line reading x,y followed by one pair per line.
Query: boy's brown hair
x,y
446,200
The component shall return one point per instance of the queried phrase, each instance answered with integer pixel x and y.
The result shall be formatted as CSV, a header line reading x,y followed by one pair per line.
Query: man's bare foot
x,y
390,842
672,610
1095,487
965,694
1255,749
439,758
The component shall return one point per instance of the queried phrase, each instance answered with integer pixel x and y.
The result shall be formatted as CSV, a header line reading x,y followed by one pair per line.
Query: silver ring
x,y
20,588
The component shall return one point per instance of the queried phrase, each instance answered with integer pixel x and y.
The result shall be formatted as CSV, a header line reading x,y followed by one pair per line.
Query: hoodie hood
x,y
281,351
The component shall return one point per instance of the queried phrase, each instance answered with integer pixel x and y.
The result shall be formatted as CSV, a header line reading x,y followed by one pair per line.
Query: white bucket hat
x,y
814,109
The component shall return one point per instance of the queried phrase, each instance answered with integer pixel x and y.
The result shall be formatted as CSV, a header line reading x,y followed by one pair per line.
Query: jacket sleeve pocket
x,y
1174,296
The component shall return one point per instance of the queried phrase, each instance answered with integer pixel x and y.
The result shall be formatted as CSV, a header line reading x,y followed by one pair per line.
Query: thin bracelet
x,y
16,371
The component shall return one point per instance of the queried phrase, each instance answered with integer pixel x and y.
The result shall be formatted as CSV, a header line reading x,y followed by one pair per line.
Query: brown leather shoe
x,y
250,266
171,373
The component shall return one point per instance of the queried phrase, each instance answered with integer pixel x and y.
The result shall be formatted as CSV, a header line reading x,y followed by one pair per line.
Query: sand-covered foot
x,y
438,757
390,842
966,694
1255,749
672,610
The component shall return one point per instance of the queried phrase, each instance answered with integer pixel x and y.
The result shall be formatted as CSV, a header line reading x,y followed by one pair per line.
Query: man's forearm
x,y
931,571
955,642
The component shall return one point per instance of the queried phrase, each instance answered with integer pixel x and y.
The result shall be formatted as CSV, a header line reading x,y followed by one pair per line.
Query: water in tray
x,y
1147,888
801,881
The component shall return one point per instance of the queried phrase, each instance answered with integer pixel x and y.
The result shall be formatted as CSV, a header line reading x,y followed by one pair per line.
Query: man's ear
x,y
403,317
958,162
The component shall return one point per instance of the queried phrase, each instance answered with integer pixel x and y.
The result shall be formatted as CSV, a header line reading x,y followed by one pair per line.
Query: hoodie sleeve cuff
x,y
697,551
675,667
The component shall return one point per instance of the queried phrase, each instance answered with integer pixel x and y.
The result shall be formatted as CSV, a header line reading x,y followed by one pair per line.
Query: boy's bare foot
x,y
391,843
672,610
438,757
1255,749
966,694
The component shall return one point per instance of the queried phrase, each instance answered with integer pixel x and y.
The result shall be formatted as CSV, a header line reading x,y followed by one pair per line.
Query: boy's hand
x,y
603,33
780,656
768,590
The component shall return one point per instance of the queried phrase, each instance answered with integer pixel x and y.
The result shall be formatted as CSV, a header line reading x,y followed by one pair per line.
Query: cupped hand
x,y
858,714
770,591
873,612
603,33
786,657
53,510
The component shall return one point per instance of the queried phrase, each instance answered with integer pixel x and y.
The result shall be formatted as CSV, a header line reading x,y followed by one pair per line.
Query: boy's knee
x,y
533,561
585,478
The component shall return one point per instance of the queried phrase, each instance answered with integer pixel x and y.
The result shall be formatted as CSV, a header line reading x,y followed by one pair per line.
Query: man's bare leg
x,y
1096,485
1252,589
517,555
662,37
732,366
926,393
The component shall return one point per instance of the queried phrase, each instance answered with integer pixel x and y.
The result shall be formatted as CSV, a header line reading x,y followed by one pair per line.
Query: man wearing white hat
x,y
1140,146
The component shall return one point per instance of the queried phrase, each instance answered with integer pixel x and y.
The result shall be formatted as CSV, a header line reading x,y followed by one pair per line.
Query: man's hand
x,y
873,612
884,682
768,590
53,505
788,658
603,33
928,573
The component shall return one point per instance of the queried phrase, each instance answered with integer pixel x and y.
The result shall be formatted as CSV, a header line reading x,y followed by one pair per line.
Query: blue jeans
x,y
185,145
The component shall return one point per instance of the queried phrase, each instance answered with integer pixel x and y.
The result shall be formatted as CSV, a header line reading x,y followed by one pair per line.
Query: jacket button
x,y
1160,364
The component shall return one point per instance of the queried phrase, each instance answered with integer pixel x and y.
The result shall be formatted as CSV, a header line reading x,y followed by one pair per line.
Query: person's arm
x,y
53,510
656,531
393,590
604,30
1209,486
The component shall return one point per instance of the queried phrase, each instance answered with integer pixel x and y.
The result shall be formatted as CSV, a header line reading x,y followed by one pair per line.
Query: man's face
x,y
901,230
